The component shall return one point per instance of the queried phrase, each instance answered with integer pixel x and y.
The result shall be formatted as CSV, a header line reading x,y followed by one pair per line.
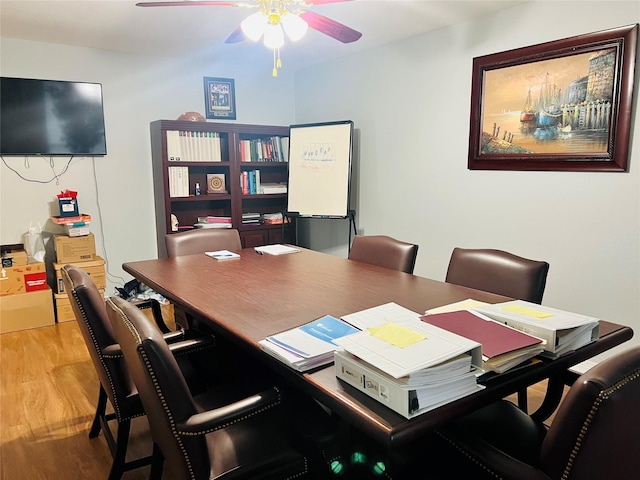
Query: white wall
x,y
116,190
410,102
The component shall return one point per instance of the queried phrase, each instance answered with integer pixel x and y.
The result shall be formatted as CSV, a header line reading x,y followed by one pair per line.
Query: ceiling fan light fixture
x,y
273,36
254,26
294,26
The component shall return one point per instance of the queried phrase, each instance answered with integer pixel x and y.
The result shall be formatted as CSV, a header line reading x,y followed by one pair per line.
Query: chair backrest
x,y
596,430
91,314
499,272
162,388
384,251
202,240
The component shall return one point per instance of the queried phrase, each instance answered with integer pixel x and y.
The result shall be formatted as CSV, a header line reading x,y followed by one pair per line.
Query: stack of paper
x,y
406,397
408,365
561,330
503,347
309,345
276,249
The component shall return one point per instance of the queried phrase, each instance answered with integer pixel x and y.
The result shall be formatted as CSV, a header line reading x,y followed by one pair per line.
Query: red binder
x,y
496,339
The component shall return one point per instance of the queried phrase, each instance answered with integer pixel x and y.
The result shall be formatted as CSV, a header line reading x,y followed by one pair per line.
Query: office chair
x,y
197,241
384,251
500,272
594,434
116,385
224,432
202,240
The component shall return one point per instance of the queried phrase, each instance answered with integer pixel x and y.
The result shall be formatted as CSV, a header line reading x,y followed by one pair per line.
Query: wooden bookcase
x,y
234,203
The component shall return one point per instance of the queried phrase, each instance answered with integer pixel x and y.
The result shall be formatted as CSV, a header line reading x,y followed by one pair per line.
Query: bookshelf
x,y
205,148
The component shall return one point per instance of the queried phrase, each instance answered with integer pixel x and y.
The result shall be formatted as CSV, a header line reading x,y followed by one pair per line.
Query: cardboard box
x,y
22,279
94,268
15,258
75,249
26,310
64,310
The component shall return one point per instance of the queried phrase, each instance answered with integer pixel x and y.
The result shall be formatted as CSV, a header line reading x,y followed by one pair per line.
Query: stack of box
x,y
25,298
81,252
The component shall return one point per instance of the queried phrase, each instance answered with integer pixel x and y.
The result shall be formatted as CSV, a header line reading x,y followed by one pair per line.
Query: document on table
x,y
276,249
398,343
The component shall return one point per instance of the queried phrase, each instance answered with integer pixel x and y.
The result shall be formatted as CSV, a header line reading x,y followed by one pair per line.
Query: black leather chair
x,y
223,433
500,272
202,240
595,433
384,251
116,385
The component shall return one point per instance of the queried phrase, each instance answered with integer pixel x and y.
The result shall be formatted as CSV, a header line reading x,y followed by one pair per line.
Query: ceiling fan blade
x,y
330,27
322,2
187,3
236,36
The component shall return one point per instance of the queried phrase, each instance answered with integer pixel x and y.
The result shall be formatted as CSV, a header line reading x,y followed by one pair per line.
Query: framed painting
x,y
220,98
563,105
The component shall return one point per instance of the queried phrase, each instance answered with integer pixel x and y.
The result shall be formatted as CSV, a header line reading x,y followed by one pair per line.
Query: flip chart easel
x,y
319,185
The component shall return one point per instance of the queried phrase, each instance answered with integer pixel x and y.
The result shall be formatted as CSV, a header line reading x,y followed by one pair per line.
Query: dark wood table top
x,y
249,298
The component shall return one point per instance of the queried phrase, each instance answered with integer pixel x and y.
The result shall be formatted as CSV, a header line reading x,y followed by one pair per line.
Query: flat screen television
x,y
51,117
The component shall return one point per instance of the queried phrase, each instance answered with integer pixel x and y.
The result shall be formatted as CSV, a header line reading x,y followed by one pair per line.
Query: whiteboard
x,y
320,169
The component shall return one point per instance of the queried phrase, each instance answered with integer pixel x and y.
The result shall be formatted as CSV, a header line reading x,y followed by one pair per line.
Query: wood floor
x,y
48,392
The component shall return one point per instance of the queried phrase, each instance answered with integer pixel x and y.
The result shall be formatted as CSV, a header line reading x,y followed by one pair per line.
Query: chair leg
x,y
120,454
100,413
157,463
522,399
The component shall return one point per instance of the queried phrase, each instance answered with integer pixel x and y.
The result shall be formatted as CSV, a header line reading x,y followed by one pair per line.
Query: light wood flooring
x,y
48,392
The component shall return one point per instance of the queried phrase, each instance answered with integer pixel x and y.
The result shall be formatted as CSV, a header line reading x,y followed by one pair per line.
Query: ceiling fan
x,y
273,19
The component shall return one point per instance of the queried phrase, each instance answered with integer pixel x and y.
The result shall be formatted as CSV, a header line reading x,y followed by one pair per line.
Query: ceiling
x,y
119,25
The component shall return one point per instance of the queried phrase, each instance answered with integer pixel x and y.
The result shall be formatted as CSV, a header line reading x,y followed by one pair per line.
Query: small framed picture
x,y
220,98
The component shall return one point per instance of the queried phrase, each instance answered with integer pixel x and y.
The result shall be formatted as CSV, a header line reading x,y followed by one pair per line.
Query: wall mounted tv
x,y
51,117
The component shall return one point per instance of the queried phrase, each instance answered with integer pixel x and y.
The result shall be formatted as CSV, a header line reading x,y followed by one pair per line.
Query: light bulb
x,y
254,25
273,36
294,26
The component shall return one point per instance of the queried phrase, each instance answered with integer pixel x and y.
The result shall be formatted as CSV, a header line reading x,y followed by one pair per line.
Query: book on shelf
x,y
273,188
223,255
178,181
276,249
211,225
561,330
394,339
310,345
188,146
275,218
214,219
409,400
503,347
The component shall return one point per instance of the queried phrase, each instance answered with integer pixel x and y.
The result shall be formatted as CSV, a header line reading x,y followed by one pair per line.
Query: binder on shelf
x,y
503,347
407,400
562,331
395,340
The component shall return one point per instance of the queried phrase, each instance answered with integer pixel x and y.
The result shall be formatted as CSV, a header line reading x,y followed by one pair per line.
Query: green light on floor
x,y
336,467
379,468
358,457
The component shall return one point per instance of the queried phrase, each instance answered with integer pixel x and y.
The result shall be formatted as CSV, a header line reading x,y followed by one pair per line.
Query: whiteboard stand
x,y
293,216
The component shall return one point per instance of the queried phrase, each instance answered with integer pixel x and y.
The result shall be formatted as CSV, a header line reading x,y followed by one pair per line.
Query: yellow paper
x,y
397,335
527,311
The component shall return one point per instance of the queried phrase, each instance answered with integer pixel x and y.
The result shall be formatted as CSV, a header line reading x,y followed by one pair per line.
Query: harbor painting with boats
x,y
555,106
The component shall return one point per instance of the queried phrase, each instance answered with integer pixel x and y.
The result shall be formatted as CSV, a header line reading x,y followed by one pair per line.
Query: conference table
x,y
244,300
